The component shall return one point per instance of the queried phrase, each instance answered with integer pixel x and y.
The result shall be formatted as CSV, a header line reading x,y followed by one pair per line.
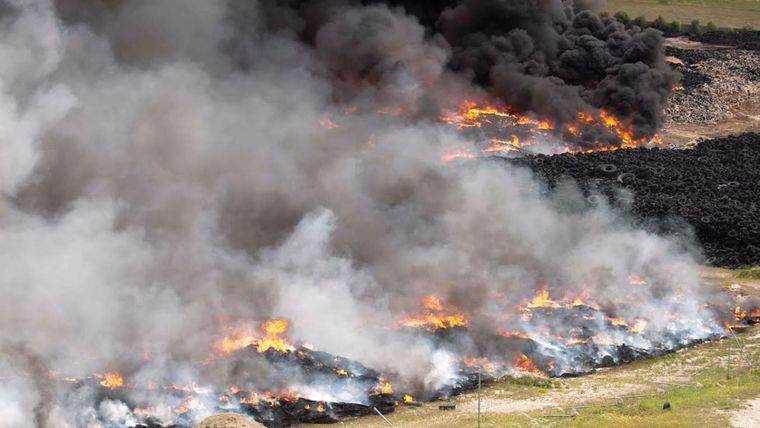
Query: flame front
x,y
111,380
270,337
273,329
435,316
542,300
523,363
516,131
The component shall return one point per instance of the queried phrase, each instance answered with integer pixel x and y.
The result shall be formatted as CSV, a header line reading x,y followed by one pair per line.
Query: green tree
x,y
675,27
640,21
711,27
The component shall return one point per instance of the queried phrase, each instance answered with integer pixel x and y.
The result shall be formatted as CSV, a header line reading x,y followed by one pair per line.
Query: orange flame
x,y
435,316
461,153
542,300
272,332
523,363
189,403
288,395
618,321
499,145
111,380
516,334
639,326
739,313
481,362
251,398
472,114
231,344
273,329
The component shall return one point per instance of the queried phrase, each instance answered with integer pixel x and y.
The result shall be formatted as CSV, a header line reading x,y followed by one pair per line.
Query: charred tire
x,y
626,178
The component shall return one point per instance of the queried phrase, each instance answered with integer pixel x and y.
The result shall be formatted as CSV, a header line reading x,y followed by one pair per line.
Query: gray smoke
x,y
164,175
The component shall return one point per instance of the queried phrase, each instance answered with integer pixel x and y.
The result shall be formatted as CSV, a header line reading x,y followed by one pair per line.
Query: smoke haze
x,y
164,176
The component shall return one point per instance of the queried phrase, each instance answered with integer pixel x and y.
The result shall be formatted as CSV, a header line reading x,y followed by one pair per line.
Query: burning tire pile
x,y
712,186
257,207
535,344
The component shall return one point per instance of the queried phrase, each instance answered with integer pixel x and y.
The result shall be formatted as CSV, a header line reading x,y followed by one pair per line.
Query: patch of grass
x,y
698,405
702,404
749,272
535,381
724,13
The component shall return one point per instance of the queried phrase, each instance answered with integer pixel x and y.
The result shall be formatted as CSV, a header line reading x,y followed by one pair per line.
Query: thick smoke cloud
x,y
557,59
164,175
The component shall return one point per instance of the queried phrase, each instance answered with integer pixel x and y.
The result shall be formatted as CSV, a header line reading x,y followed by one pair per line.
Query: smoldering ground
x,y
164,175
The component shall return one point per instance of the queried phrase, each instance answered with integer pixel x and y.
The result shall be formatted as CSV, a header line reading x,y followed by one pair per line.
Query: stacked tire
x,y
712,188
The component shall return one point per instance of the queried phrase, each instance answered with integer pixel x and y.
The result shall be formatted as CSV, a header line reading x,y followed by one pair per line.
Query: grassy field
x,y
706,385
724,13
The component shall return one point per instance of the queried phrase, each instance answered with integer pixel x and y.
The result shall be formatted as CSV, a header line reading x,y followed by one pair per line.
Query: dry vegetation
x,y
724,13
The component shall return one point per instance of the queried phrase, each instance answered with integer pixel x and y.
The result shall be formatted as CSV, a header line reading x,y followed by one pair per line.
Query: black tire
x,y
626,178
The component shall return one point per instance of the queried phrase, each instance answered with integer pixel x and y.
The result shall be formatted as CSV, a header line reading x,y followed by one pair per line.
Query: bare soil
x,y
745,118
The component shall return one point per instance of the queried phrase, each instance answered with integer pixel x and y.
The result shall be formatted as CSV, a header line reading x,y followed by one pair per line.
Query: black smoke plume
x,y
554,59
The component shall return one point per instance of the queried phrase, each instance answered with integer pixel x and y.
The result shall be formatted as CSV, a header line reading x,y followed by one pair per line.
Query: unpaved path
x,y
748,417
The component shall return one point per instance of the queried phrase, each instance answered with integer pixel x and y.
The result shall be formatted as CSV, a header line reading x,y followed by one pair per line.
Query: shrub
x,y
640,21
659,23
711,27
623,18
675,27
694,27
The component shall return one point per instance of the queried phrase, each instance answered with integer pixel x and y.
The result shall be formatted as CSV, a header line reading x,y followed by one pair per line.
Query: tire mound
x,y
742,39
713,83
714,187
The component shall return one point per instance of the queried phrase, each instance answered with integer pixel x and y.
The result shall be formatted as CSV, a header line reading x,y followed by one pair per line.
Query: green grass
x,y
724,13
702,405
749,272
